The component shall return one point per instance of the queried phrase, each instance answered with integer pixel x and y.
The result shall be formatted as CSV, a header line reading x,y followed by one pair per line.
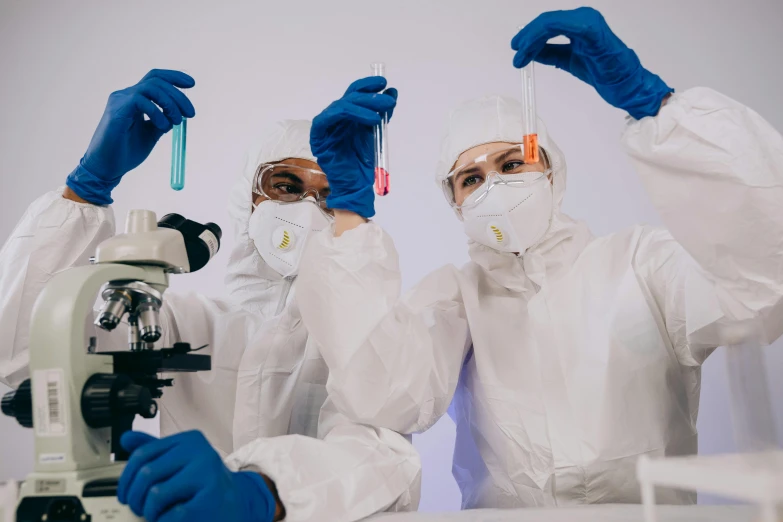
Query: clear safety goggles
x,y
468,184
288,183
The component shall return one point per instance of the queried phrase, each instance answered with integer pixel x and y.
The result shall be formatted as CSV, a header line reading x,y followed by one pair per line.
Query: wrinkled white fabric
x,y
567,364
267,379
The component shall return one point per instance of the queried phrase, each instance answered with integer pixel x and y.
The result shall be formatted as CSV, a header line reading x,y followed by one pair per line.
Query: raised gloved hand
x,y
124,138
595,55
341,139
182,478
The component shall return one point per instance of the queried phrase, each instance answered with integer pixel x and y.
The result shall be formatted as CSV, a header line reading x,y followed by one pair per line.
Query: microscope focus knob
x,y
108,397
19,404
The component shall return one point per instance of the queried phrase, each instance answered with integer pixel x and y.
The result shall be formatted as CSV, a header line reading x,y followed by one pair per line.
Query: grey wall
x,y
256,62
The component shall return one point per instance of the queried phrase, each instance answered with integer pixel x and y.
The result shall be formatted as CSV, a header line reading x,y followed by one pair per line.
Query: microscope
x,y
80,400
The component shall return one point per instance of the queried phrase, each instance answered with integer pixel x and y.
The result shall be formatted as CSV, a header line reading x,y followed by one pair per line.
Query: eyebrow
x,y
506,154
288,176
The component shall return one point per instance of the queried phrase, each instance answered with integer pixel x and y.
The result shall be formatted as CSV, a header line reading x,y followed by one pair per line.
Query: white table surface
x,y
602,513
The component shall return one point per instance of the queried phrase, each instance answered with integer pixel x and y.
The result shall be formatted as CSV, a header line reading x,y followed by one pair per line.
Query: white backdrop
x,y
257,62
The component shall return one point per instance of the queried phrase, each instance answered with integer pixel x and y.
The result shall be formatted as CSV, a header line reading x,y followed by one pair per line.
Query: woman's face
x,y
470,178
283,182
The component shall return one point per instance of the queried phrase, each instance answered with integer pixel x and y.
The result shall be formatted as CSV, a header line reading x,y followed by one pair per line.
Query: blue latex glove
x,y
595,55
182,478
123,139
342,141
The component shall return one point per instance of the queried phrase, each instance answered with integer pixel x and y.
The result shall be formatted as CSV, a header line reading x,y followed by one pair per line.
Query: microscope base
x,y
73,496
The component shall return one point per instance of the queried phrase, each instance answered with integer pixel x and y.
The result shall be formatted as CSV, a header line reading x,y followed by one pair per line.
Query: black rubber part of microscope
x,y
151,362
198,251
51,509
118,427
112,400
108,398
19,404
105,487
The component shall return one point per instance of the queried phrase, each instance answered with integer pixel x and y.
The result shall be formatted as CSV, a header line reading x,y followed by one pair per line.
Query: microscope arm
x,y
60,366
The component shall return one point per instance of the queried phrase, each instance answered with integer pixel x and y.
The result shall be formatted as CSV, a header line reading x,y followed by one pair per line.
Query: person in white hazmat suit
x,y
564,356
267,379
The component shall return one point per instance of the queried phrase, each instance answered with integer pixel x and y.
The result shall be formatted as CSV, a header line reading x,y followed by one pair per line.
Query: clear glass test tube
x,y
529,118
381,144
179,139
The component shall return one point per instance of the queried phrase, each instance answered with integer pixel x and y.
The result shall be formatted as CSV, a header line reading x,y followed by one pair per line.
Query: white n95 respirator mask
x,y
280,231
507,217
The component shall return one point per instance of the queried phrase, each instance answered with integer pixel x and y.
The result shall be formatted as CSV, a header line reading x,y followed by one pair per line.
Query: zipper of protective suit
x,y
536,286
287,282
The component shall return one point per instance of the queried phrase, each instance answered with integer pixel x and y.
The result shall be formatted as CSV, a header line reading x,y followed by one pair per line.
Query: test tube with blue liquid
x,y
381,144
179,138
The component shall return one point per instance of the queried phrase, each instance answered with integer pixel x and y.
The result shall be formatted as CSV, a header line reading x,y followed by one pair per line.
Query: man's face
x,y
291,184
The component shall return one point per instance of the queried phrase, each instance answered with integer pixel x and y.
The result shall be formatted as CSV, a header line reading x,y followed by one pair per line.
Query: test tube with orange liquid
x,y
381,144
529,119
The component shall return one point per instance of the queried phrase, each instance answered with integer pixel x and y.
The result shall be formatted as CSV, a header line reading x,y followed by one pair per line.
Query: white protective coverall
x,y
267,377
574,359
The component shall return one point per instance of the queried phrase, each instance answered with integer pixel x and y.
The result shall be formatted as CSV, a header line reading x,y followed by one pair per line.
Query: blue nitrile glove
x,y
124,138
595,55
342,141
182,478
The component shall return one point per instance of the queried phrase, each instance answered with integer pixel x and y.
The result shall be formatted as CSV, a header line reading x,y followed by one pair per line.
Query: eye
x,y
471,180
287,188
512,165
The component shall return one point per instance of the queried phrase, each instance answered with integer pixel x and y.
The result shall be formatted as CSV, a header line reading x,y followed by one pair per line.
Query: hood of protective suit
x,y
499,119
250,281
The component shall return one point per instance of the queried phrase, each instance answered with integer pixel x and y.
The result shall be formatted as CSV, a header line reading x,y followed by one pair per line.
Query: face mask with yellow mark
x,y
510,218
281,230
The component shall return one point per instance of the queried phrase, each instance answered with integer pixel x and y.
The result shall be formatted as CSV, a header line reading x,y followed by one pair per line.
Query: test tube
x,y
529,119
179,138
381,144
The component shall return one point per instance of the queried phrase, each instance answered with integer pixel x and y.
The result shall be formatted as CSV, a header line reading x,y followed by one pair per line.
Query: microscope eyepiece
x,y
202,242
